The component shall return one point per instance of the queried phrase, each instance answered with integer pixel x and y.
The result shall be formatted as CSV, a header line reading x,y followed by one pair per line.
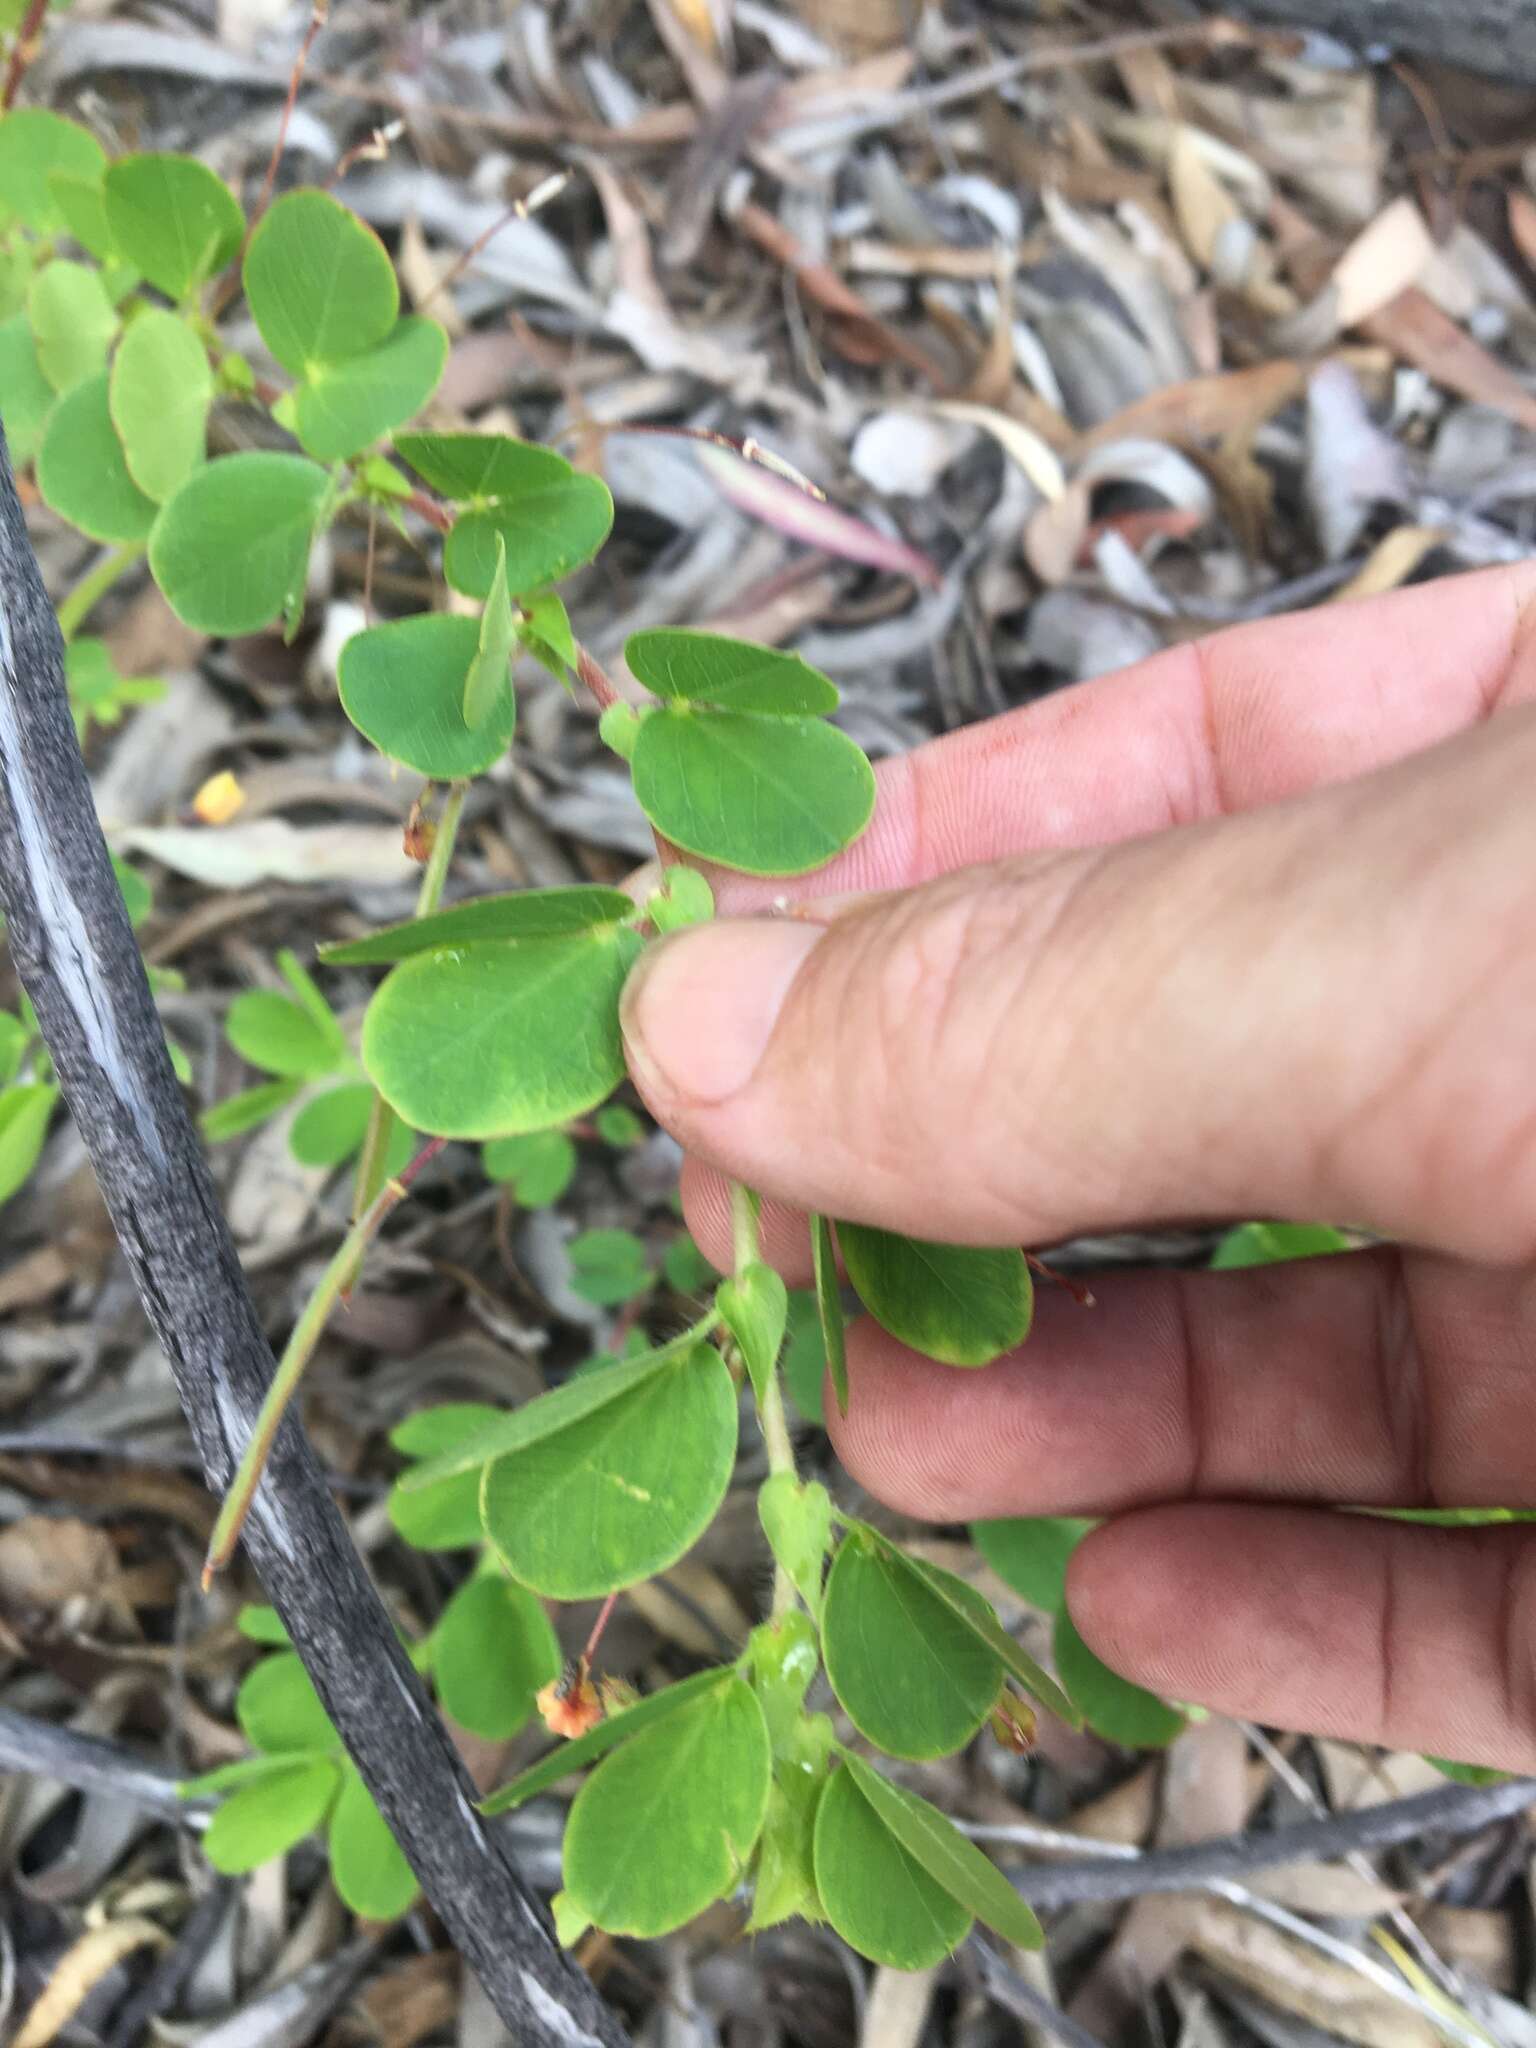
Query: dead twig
x,y
38,1749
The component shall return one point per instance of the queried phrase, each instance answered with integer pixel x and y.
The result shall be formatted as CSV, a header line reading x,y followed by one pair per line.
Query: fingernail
x,y
700,1007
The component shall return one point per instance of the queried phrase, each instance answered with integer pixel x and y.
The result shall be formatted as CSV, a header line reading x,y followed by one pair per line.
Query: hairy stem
x,y
747,1251
307,1332
93,587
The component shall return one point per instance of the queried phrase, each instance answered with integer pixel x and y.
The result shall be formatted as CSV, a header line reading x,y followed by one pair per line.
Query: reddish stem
x,y
28,40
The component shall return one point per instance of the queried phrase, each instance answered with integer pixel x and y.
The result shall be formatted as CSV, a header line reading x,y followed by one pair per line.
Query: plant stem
x,y
300,1349
774,1424
23,49
93,587
382,1119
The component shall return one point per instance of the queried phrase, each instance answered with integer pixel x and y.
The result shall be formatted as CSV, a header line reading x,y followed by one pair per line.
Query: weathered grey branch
x,y
40,1750
1496,36
71,942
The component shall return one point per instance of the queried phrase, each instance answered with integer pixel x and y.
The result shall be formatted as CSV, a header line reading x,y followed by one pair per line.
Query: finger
x,y
1371,1379
1246,717
784,1233
1205,1022
1335,1624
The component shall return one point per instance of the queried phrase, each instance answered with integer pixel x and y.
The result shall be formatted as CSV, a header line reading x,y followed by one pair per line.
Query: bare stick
x,y
80,965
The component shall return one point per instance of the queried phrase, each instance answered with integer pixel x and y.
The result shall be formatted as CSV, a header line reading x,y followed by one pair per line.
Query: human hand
x,y
1256,937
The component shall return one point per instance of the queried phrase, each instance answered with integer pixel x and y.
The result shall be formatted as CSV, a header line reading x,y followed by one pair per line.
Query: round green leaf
x,y
878,1897
445,1516
547,533
524,914
492,1652
605,1735
665,1825
81,470
910,1675
278,1708
771,796
539,1166
736,675
333,1126
501,1039
432,1431
622,1492
259,1623
368,1866
27,394
237,1114
265,1818
33,145
83,203
160,392
172,219
320,284
1111,1705
231,549
73,322
344,407
25,1112
608,1266
482,469
961,1306
402,686
1030,1552
272,1032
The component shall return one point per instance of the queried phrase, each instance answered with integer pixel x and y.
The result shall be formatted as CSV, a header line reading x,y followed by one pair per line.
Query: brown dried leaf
x,y
1391,562
47,1562
1299,1980
1383,261
1202,205
1414,327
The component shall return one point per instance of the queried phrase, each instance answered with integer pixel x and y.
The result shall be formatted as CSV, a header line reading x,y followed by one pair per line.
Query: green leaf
x,y
607,1735
14,1040
267,1817
25,1112
960,1306
784,1658
619,1127
1111,1705
971,1878
261,1624
17,263
829,1308
796,1516
482,469
307,994
274,1033
432,1431
1268,1244
250,1770
25,393
492,1652
524,914
344,407
83,204
539,1166
501,1039
73,322
320,284
490,672
546,631
547,533
172,219
687,899
619,728
240,1113
754,1307
402,686
625,1491
445,1516
685,1268
278,1709
697,1783
231,549
805,1356
909,1674
736,675
1030,1552
608,1266
333,1126
81,471
160,392
784,1882
770,796
33,145
877,1896
368,1866
977,1615
1467,1774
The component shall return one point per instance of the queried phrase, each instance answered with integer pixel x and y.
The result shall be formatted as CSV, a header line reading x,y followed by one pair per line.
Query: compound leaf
x,y
546,532
402,686
344,407
34,144
961,1306
876,1894
172,219
320,284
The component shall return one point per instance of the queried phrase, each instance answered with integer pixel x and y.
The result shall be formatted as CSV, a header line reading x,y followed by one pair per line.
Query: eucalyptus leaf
x,y
402,685
1030,1553
492,1652
598,1741
685,666
829,1308
877,1895
754,1306
344,407
82,473
952,1303
624,1492
160,391
266,1817
34,144
770,796
231,549
698,1783
1112,1706
73,323
172,219
524,914
368,1866
320,285
499,1039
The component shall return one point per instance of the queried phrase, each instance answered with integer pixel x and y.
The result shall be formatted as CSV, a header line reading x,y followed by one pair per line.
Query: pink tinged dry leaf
x,y
763,495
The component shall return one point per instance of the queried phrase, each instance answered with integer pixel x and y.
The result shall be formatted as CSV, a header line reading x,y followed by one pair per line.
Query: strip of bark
x,y
78,961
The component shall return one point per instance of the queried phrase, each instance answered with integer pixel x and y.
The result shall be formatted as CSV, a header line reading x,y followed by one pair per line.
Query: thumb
x,y
1317,1010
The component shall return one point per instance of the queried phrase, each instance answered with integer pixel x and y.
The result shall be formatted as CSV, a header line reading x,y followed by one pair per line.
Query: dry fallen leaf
x,y
272,850
1381,262
78,1970
1391,562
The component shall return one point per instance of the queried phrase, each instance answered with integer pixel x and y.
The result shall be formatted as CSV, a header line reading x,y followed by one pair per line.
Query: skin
x,y
1247,930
